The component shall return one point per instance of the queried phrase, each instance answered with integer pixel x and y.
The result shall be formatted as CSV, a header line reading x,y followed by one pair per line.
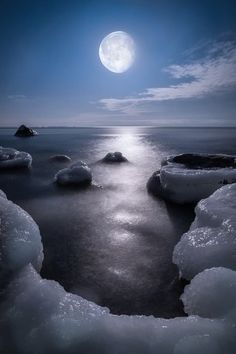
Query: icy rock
x,y
23,131
211,293
11,158
60,158
113,157
211,240
188,178
20,240
77,174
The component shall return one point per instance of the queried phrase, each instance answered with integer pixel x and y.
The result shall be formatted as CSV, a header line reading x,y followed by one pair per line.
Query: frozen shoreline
x,y
43,318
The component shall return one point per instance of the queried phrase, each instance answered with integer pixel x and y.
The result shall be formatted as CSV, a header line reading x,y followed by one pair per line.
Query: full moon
x,y
117,51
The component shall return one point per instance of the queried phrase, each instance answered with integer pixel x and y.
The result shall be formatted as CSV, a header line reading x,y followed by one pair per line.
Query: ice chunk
x,y
211,240
20,240
188,178
11,158
211,293
113,157
77,174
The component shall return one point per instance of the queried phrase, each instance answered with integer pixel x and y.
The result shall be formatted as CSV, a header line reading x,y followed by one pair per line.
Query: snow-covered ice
x,y
42,318
211,240
20,240
77,174
211,293
188,178
11,158
38,316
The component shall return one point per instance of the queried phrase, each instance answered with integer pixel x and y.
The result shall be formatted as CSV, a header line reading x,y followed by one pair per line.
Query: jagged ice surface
x,y
211,240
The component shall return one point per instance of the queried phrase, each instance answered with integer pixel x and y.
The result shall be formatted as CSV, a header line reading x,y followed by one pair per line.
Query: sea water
x,y
111,243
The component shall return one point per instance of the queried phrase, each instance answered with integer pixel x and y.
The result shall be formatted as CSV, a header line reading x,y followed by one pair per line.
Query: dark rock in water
x,y
204,161
113,157
24,131
60,158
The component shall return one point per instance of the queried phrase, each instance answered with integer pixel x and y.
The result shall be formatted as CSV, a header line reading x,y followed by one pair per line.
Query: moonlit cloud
x,y
214,74
16,97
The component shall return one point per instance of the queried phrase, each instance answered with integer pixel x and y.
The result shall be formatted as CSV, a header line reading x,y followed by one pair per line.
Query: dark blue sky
x,y
184,72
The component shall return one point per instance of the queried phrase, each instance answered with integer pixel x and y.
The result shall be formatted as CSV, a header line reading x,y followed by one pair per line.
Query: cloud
x,y
17,98
214,73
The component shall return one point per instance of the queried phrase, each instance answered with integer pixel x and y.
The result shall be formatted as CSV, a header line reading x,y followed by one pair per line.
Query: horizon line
x,y
118,126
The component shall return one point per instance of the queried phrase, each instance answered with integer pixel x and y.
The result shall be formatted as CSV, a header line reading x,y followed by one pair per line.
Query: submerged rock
x,y
113,157
188,178
77,174
11,158
60,158
23,131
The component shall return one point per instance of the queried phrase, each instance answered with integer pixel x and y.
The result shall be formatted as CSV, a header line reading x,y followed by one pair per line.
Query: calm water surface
x,y
114,244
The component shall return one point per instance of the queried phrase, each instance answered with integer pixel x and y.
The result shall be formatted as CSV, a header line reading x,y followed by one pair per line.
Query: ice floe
x,y
11,158
211,240
77,174
38,316
188,178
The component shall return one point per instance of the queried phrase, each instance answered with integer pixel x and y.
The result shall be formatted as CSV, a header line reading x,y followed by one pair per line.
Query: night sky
x,y
184,73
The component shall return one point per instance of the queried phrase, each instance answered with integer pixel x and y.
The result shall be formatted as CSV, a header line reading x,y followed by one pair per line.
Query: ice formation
x,y
38,316
20,240
77,174
11,158
216,298
113,157
211,240
188,178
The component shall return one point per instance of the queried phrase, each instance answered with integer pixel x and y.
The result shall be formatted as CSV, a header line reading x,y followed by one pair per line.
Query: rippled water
x,y
114,244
